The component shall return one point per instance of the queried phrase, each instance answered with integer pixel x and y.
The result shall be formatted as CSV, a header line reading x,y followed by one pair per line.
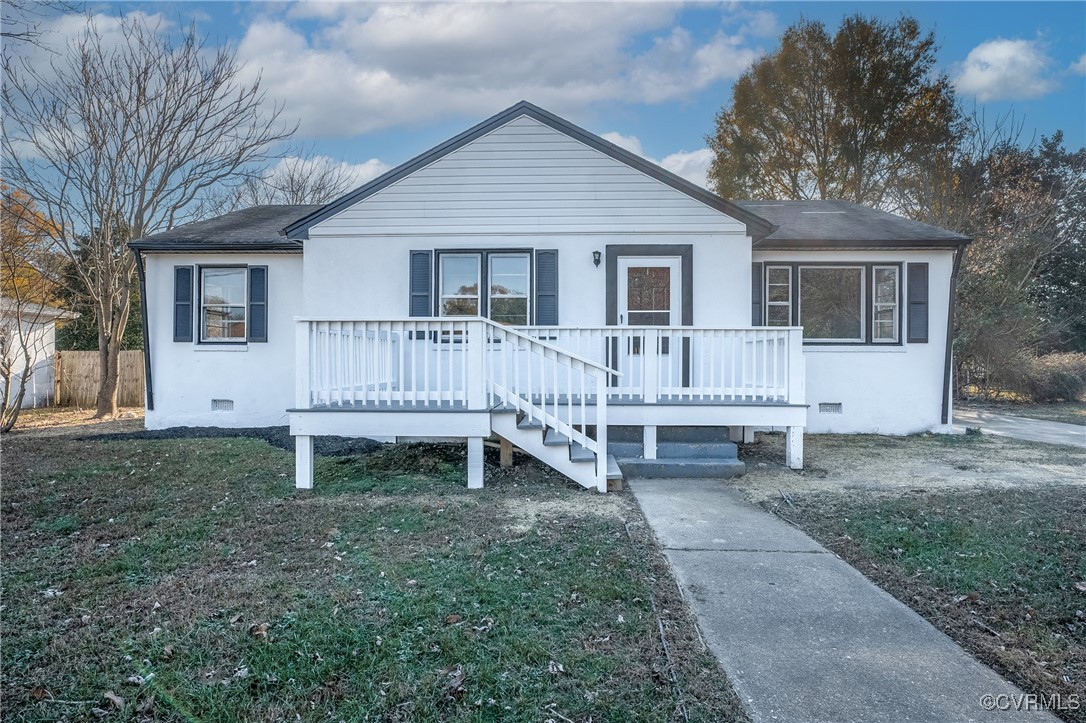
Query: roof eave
x,y
767,244
289,246
757,227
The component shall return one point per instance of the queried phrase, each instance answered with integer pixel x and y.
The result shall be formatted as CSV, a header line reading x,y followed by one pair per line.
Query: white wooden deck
x,y
453,377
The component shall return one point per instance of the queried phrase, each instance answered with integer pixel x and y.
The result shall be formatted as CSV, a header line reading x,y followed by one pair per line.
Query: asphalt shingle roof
x,y
256,228
842,223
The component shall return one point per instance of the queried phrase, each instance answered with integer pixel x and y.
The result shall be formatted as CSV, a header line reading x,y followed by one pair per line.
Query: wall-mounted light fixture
x,y
596,258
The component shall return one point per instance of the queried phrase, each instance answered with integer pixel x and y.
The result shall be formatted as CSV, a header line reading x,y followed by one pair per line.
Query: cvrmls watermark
x,y
1030,701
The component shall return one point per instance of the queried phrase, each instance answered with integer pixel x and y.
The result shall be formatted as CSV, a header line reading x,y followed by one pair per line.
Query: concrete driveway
x,y
803,636
1032,430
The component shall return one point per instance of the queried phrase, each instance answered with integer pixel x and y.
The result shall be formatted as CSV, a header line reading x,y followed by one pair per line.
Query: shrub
x,y
1054,377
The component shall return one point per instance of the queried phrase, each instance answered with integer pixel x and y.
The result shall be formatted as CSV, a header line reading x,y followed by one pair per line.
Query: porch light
x,y
596,258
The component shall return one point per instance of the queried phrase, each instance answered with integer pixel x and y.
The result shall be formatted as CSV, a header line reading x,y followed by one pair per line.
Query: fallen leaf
x,y
454,683
115,699
555,668
1081,586
412,583
136,679
146,705
167,652
259,631
452,619
235,618
38,693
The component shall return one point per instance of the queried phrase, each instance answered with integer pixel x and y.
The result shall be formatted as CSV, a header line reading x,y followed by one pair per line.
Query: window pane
x,y
778,315
778,275
648,288
649,318
778,292
885,323
224,286
830,303
460,307
509,275
509,311
224,322
885,286
459,275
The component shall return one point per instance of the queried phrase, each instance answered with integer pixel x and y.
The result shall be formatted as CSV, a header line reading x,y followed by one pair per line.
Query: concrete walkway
x,y
1033,430
803,636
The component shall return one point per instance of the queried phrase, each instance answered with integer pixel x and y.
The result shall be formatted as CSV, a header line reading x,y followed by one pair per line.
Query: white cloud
x,y
630,143
1079,66
691,165
354,174
1004,69
368,67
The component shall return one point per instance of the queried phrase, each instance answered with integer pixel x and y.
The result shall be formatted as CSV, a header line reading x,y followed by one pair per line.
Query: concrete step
x,y
624,449
681,467
696,450
614,471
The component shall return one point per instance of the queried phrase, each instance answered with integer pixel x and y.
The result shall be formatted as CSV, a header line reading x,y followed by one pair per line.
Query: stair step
x,y
577,453
682,467
529,424
613,470
697,450
554,438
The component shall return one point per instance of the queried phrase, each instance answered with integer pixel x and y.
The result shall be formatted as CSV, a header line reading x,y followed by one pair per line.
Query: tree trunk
x,y
109,362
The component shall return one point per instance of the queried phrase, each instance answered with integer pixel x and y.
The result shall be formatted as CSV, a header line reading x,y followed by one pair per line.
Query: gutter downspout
x,y
958,253
148,381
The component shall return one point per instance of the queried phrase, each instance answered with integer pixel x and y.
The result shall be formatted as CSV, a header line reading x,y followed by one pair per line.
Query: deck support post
x,y
650,441
744,434
475,463
793,447
303,462
505,450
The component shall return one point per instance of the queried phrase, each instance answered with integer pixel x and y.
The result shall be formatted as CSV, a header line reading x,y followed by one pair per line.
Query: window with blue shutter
x,y
918,303
421,284
546,287
258,304
182,303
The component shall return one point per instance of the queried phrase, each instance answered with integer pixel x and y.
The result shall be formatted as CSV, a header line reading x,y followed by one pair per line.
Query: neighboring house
x,y
530,279
29,334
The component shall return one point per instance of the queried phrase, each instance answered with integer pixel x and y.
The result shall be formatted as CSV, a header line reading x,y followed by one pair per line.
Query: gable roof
x,y
757,227
842,224
33,313
259,228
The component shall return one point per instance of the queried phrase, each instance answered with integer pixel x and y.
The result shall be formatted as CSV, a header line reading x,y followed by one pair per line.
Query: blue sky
x,y
372,85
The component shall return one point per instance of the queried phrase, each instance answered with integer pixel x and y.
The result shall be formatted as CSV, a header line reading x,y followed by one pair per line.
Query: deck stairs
x,y
551,447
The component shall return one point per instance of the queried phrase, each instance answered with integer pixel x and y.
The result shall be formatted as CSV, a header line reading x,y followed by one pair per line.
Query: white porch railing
x,y
689,364
462,364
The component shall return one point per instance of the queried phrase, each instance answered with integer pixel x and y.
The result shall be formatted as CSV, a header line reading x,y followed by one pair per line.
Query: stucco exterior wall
x,y
257,377
881,389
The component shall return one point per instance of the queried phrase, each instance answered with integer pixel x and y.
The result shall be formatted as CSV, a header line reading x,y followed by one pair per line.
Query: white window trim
x,y
202,336
895,305
862,339
527,295
768,303
442,296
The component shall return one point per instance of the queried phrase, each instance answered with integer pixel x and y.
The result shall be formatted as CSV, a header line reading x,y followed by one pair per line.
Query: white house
x,y
28,339
531,280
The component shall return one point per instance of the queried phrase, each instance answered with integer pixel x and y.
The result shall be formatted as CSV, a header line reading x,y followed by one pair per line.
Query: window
x,y
222,304
831,303
460,285
510,276
884,308
505,275
778,294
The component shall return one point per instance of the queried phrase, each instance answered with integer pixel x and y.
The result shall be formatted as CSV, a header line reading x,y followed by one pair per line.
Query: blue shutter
x,y
421,284
757,314
546,287
918,303
182,303
257,326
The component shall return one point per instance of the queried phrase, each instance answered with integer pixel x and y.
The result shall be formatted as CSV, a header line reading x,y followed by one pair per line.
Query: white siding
x,y
526,177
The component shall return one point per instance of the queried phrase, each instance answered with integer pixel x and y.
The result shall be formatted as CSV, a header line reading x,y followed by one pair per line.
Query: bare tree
x,y
302,176
22,18
124,139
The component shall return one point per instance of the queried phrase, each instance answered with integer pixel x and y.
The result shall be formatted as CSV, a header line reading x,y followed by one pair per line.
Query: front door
x,y
648,296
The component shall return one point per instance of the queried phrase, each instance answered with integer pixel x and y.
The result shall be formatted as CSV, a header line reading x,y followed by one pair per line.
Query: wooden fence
x,y
77,379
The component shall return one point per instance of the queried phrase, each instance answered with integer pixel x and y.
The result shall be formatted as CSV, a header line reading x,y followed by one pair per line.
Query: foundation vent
x,y
829,407
222,405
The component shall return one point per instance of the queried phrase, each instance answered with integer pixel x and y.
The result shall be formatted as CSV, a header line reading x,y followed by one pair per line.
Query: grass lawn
x,y
1066,412
185,579
1002,572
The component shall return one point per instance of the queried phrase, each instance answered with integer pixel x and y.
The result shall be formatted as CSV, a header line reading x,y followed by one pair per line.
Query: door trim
x,y
686,254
